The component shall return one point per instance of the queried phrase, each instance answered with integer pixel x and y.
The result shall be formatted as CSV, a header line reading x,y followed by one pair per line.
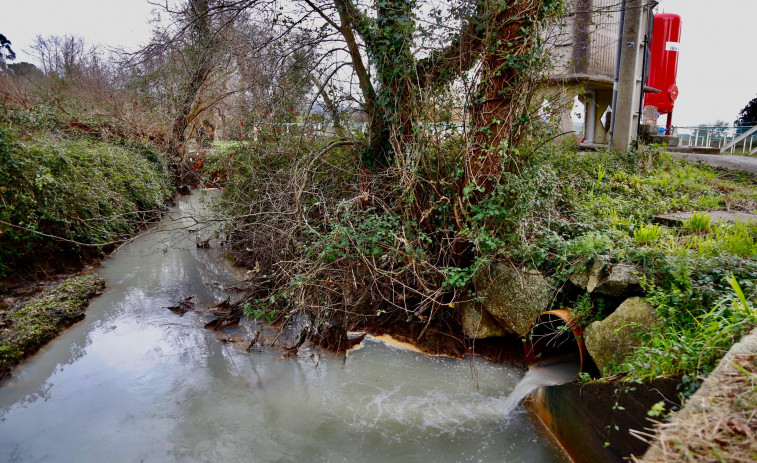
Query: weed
x,y
699,222
600,173
685,343
738,239
586,311
647,234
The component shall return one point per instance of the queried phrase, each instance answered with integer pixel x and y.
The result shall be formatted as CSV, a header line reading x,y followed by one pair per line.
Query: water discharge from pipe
x,y
539,375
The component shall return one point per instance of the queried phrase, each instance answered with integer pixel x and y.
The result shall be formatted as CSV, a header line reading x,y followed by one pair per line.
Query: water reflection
x,y
136,382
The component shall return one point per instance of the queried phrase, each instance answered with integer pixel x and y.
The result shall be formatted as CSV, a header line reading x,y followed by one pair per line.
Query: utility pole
x,y
629,85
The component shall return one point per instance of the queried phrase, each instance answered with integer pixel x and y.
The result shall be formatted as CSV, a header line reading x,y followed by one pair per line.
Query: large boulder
x,y
478,323
622,281
612,339
513,296
618,280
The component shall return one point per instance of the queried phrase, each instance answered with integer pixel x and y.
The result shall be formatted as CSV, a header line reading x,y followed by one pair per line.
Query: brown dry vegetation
x,y
719,423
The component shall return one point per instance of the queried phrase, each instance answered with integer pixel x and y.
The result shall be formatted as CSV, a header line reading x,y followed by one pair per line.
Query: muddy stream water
x,y
135,382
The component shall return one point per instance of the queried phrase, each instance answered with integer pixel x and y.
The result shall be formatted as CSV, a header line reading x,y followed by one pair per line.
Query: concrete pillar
x,y
600,99
590,116
629,80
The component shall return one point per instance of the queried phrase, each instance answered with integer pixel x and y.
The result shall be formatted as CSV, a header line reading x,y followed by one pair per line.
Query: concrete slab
x,y
678,218
693,149
593,146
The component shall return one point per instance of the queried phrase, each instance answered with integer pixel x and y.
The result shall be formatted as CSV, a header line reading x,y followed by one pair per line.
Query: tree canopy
x,y
748,115
6,53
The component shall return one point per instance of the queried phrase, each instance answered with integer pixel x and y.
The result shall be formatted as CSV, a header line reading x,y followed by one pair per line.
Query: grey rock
x,y
623,280
587,277
513,296
580,278
614,338
478,323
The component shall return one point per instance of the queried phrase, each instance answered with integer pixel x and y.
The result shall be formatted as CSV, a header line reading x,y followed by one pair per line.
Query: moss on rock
x,y
37,322
478,323
513,296
609,341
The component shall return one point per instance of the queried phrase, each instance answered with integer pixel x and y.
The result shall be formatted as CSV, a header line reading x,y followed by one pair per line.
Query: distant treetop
x,y
24,69
748,115
6,53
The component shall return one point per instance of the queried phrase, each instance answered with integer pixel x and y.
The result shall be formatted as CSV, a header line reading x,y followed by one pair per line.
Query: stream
x,y
135,382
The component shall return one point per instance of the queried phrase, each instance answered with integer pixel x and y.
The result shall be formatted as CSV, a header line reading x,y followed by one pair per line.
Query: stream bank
x,y
67,198
31,324
718,422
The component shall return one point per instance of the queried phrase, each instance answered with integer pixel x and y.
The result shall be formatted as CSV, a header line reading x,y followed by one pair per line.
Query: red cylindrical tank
x,y
666,38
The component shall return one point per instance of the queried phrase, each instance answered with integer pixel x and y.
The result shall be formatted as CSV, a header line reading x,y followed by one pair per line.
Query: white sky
x,y
717,73
116,23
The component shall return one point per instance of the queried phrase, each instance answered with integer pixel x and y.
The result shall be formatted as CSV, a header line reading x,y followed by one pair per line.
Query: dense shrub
x,y
403,245
76,190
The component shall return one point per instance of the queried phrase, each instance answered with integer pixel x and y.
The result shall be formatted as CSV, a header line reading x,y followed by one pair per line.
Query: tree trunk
x,y
391,50
200,67
389,47
509,34
330,106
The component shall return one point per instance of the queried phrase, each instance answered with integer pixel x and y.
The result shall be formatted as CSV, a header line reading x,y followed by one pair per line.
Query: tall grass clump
x,y
687,343
646,235
699,222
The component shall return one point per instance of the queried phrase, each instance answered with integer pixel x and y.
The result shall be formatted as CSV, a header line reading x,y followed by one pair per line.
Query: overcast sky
x,y
117,23
717,72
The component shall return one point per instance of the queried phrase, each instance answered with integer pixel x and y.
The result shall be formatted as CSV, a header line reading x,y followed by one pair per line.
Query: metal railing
x,y
734,140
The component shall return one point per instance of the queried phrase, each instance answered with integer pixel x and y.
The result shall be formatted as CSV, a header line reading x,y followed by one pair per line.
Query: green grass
x,y
647,235
688,344
699,222
701,277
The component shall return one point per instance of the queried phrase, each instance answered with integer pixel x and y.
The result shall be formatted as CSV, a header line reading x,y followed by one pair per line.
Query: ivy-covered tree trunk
x,y
507,58
390,49
501,33
389,105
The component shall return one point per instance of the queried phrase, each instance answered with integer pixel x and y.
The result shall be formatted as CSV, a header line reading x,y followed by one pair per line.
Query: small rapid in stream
x,y
135,382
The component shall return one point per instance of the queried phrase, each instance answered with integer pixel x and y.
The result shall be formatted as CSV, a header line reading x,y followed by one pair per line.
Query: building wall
x,y
585,41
